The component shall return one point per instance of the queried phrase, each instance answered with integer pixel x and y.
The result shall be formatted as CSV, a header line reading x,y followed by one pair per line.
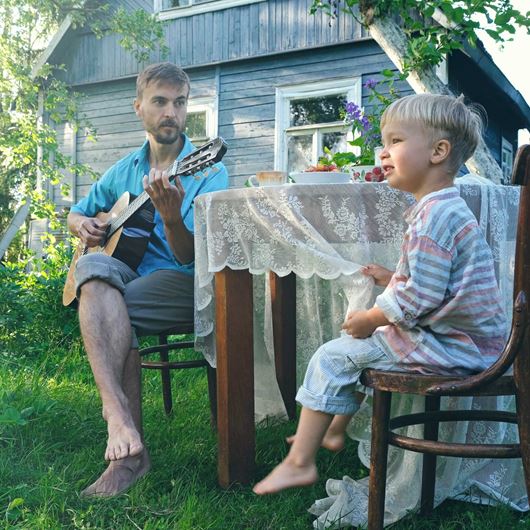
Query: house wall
x,y
465,77
254,30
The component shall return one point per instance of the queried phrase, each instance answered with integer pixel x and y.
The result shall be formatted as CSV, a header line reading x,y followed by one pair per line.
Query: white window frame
x,y
284,95
196,9
507,168
210,106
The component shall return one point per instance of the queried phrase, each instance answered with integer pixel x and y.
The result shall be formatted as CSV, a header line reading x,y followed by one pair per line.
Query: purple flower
x,y
370,83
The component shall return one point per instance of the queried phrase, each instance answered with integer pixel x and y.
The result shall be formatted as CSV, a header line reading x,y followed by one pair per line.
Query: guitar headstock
x,y
203,157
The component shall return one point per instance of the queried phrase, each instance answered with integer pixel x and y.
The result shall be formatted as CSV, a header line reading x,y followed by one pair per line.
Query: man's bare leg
x,y
299,467
123,473
106,331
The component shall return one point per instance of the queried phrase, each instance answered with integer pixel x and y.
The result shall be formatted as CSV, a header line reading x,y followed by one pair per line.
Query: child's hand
x,y
380,275
358,324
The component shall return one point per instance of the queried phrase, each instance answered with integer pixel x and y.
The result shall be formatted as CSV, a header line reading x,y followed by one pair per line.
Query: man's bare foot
x,y
119,476
123,441
333,441
286,475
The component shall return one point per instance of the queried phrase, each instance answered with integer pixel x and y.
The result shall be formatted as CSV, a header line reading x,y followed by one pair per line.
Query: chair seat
x,y
414,383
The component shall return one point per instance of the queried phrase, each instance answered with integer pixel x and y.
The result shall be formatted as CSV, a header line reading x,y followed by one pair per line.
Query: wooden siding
x,y
465,77
246,102
255,30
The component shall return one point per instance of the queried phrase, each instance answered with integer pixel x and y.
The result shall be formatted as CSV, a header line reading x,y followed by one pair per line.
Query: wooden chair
x,y
163,348
490,382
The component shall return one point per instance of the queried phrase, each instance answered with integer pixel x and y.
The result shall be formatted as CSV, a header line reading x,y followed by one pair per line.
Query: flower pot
x,y
367,174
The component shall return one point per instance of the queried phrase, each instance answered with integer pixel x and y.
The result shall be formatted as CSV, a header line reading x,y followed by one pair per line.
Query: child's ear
x,y
440,151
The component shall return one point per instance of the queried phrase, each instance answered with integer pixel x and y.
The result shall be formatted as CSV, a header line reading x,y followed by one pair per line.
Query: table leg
x,y
283,299
235,376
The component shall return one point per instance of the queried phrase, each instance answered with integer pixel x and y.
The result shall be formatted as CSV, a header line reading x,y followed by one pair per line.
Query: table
x,y
262,255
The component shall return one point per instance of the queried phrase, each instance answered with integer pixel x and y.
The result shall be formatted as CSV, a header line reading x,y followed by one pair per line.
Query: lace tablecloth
x,y
327,232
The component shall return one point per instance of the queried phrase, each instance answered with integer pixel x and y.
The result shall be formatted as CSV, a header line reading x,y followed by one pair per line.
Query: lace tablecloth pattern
x,y
324,234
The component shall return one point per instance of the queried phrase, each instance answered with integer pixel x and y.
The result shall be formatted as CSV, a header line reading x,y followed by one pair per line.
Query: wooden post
x,y
283,299
235,376
521,368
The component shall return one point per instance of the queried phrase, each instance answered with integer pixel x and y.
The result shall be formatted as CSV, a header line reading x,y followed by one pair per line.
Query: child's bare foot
x,y
286,475
332,441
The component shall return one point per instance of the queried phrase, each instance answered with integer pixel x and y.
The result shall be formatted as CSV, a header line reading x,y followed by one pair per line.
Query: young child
x,y
441,310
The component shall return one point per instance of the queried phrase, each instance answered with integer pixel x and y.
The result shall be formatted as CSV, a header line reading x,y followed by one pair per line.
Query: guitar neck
x,y
202,157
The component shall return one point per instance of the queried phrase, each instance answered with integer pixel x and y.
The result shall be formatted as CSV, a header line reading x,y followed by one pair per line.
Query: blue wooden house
x,y
266,75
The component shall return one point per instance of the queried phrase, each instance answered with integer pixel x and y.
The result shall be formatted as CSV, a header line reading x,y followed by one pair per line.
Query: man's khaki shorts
x,y
155,302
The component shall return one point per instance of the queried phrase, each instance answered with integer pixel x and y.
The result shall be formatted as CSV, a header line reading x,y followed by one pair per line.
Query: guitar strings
x,y
137,203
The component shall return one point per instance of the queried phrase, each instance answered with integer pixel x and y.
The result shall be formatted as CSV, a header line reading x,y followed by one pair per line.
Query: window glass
x,y
335,141
506,160
196,126
299,151
316,110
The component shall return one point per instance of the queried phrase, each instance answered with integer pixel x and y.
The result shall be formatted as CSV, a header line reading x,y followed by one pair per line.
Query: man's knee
x,y
96,268
95,287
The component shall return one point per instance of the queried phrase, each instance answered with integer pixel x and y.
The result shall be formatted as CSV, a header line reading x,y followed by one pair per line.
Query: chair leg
x,y
378,459
212,394
428,474
166,376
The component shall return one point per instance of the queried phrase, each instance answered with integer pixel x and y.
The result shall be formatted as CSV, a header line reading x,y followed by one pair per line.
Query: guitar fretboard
x,y
202,157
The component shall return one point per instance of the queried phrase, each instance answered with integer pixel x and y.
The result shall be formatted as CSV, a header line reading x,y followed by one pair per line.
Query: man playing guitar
x,y
117,302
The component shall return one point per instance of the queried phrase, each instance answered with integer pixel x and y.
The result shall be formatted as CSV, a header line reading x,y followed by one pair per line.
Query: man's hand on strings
x,y
166,197
91,231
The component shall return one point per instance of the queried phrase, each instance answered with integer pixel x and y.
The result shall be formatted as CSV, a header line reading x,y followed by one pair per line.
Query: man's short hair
x,y
443,117
161,73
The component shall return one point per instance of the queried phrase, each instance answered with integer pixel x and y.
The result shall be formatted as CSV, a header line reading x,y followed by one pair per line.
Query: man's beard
x,y
166,138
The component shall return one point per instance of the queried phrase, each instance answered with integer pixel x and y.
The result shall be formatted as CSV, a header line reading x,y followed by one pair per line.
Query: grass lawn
x,y
52,440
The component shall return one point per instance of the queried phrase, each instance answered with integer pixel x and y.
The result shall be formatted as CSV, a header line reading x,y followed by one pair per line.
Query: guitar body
x,y
119,245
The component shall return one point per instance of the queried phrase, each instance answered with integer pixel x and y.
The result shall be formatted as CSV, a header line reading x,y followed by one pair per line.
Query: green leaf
x,y
15,503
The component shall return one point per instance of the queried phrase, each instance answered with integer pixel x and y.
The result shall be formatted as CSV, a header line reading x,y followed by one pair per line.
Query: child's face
x,y
406,156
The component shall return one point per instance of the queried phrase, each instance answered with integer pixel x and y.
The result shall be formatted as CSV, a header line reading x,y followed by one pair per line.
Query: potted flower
x,y
364,163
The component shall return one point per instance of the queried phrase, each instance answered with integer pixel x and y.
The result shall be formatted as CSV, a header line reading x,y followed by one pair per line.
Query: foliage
x,y
32,317
30,157
428,42
364,125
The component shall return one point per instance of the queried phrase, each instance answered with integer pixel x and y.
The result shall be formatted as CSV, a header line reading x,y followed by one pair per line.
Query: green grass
x,y
52,440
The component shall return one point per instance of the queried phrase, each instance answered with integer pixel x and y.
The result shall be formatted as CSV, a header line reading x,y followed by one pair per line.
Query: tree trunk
x,y
387,33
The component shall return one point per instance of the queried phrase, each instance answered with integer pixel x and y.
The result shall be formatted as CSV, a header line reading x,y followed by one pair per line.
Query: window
x,y
506,161
308,119
168,9
201,123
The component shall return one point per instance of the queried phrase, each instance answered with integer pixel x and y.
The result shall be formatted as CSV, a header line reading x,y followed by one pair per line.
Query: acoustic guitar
x,y
130,220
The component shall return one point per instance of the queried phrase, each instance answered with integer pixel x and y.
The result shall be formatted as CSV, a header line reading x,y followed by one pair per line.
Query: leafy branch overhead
x,y
435,28
417,35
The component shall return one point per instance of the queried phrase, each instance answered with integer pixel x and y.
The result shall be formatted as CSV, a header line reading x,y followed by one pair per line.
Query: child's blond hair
x,y
444,117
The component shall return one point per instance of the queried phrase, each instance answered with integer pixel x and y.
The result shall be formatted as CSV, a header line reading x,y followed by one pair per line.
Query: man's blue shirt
x,y
127,175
